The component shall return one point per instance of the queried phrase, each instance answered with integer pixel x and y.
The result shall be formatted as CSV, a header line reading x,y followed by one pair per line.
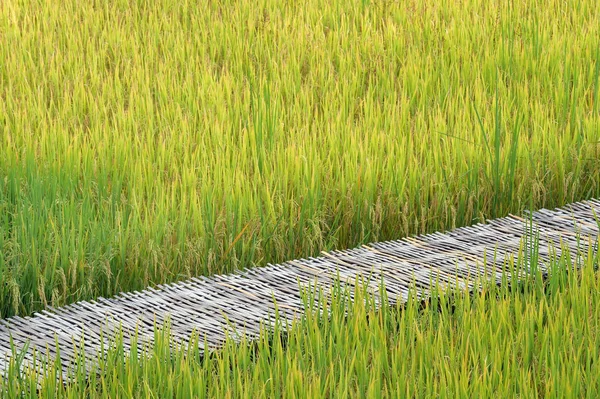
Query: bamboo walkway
x,y
213,305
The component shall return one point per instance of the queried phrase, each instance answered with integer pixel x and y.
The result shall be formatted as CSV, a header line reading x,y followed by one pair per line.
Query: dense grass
x,y
537,339
142,142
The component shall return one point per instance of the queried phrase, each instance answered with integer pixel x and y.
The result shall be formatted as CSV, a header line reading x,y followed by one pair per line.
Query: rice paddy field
x,y
145,142
537,339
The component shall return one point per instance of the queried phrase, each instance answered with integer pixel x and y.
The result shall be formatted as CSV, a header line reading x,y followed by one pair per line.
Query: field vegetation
x,y
143,142
535,339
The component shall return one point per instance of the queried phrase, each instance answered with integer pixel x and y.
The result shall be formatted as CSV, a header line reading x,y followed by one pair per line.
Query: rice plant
x,y
145,142
539,338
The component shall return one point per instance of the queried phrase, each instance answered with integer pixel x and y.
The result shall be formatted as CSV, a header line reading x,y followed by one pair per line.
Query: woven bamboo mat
x,y
217,305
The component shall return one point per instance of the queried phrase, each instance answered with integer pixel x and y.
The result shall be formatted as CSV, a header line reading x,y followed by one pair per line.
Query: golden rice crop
x,y
143,142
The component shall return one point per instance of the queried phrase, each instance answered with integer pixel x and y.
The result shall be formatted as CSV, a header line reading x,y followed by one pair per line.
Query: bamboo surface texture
x,y
239,303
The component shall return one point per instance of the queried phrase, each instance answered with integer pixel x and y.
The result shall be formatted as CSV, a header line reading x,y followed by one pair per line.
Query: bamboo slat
x,y
219,305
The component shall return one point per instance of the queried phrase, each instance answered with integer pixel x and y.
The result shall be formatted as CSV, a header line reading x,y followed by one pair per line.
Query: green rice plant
x,y
536,338
147,142
501,168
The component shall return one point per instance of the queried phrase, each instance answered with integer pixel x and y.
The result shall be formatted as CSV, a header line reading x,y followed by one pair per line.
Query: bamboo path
x,y
214,306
